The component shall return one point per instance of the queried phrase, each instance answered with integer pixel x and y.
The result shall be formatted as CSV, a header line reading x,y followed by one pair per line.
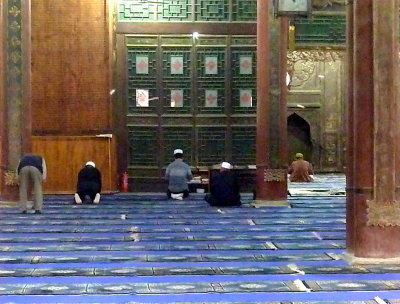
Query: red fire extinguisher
x,y
124,185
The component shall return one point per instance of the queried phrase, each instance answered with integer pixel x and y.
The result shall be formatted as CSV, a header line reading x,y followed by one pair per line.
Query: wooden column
x,y
350,132
373,223
2,94
271,149
16,105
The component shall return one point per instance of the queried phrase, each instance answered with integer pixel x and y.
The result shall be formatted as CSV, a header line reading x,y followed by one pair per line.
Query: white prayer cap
x,y
226,165
90,163
178,151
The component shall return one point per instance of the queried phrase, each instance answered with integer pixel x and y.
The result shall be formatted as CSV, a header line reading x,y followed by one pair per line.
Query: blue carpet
x,y
187,252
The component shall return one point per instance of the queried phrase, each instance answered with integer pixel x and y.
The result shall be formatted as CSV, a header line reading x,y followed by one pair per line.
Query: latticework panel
x,y
244,87
321,30
211,98
212,10
176,80
183,10
176,64
244,10
143,146
244,145
244,99
211,145
177,98
175,10
211,64
178,138
142,79
137,11
211,80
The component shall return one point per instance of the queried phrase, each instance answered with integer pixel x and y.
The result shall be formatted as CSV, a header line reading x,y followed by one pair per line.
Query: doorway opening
x,y
299,137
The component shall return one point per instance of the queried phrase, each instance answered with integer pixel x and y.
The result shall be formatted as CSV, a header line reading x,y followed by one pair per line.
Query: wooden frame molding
x,y
162,28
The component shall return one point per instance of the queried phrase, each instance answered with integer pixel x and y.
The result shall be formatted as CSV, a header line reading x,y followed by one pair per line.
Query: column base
x,y
269,203
10,193
353,260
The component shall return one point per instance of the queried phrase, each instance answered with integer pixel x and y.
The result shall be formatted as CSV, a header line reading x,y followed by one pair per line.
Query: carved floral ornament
x,y
275,175
10,178
302,64
14,11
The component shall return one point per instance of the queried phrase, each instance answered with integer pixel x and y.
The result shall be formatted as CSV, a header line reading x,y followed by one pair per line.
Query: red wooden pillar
x,y
373,207
271,143
350,133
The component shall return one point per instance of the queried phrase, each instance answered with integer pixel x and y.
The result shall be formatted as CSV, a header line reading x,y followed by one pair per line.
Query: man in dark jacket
x,y
31,171
89,183
224,188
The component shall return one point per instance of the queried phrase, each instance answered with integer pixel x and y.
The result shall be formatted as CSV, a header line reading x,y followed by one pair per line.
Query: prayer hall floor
x,y
143,248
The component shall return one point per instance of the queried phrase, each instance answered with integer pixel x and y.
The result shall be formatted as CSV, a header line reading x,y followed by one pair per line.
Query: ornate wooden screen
x,y
200,94
195,94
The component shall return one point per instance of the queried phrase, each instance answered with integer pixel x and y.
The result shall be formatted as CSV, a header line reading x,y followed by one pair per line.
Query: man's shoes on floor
x,y
24,212
77,199
38,212
177,196
96,199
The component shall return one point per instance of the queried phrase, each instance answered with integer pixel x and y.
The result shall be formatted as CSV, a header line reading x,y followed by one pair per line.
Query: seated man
x,y
301,170
178,174
89,184
224,188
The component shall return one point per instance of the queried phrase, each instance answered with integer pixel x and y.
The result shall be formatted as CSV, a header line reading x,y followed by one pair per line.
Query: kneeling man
x,y
301,170
89,184
224,188
178,174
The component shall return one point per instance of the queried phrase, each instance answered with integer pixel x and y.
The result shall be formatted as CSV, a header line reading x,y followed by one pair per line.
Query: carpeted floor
x,y
146,249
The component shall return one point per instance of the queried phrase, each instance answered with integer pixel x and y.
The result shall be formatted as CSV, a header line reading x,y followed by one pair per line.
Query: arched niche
x,y
299,137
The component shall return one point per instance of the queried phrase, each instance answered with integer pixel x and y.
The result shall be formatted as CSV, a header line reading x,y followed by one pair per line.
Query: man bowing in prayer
x,y
224,188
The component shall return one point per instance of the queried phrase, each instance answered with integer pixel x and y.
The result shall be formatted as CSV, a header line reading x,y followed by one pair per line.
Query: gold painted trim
x,y
383,214
275,175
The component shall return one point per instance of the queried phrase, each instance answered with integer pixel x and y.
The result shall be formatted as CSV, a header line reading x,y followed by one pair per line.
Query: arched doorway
x,y
299,137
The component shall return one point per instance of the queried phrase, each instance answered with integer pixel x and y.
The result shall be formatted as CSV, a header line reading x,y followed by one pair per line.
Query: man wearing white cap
x,y
89,184
177,174
224,188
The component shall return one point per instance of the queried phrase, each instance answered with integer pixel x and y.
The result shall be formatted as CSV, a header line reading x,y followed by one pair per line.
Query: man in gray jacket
x,y
177,174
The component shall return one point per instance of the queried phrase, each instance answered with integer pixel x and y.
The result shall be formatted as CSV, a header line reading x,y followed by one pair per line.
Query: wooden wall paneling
x,y
70,67
66,155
